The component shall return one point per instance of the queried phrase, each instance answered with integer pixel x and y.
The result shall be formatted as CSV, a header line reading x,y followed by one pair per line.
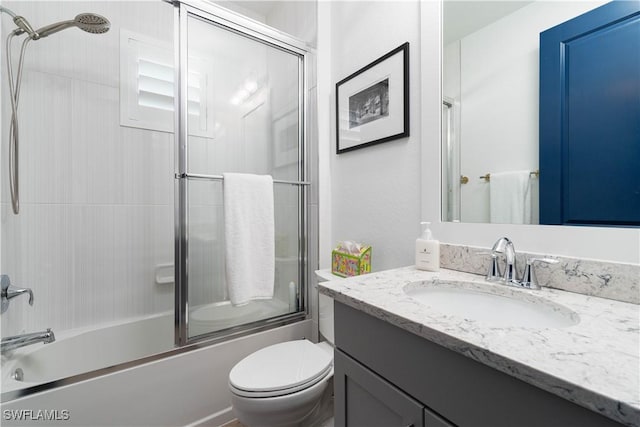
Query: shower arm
x,y
54,28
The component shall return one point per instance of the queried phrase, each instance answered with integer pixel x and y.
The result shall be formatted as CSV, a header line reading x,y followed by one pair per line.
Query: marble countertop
x,y
594,363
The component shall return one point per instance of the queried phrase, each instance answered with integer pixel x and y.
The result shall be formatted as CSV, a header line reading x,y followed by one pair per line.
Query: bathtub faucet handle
x,y
9,292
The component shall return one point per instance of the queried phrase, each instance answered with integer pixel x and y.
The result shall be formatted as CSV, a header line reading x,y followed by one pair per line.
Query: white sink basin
x,y
494,305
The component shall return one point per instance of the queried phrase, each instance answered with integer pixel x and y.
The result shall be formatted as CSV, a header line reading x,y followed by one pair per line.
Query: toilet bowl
x,y
284,384
281,385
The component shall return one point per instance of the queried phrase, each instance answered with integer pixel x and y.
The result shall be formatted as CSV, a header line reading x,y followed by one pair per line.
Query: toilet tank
x,y
325,306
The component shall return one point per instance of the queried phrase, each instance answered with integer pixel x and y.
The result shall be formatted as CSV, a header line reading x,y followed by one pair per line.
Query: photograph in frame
x,y
372,104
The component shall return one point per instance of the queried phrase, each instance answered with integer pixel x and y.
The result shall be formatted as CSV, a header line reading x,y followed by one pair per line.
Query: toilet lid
x,y
281,366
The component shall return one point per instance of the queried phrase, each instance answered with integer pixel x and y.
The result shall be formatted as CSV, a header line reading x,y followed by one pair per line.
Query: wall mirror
x,y
490,110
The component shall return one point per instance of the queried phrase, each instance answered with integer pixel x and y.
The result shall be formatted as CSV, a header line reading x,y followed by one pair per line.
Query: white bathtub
x,y
194,380
88,349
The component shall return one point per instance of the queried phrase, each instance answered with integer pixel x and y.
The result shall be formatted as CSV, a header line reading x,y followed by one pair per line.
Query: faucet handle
x,y
9,292
493,273
529,278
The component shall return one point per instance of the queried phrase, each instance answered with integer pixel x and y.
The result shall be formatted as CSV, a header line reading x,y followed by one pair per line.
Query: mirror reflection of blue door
x,y
590,118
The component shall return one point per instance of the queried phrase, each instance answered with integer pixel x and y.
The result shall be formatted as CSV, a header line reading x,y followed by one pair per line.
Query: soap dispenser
x,y
427,250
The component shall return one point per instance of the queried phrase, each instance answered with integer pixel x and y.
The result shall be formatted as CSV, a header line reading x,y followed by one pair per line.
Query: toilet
x,y
284,384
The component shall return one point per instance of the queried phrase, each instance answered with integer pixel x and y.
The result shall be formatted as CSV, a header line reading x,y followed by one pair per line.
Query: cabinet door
x,y
363,399
433,420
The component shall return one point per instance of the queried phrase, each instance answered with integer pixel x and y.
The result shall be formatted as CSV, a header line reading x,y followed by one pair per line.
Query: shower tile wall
x,y
96,198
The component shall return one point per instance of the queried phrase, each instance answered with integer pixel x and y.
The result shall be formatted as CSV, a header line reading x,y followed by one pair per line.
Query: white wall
x,y
612,244
326,143
375,192
372,189
297,18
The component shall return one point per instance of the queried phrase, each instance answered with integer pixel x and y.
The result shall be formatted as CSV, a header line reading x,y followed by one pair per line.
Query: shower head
x,y
89,22
92,23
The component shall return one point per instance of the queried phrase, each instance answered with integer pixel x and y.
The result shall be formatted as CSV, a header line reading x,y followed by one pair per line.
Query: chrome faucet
x,y
9,292
17,341
504,246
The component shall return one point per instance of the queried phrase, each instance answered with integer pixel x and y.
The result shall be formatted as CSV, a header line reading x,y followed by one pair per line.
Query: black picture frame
x,y
372,104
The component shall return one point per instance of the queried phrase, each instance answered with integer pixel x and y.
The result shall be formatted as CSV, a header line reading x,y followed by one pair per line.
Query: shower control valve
x,y
9,292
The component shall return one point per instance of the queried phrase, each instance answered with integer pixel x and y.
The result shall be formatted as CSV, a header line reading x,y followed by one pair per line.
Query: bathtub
x,y
84,350
88,349
54,376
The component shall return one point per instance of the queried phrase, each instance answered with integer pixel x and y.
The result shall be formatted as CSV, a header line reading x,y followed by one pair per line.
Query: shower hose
x,y
14,134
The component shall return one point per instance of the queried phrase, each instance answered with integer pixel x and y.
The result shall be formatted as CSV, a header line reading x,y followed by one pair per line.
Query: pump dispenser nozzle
x,y
426,233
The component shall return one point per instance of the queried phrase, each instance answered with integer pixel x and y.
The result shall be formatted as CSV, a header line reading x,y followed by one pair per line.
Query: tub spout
x,y
17,341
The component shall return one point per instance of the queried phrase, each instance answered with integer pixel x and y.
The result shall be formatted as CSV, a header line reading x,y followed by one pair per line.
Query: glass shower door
x,y
244,113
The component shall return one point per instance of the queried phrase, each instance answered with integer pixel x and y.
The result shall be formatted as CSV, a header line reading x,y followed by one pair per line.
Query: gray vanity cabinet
x,y
374,402
386,376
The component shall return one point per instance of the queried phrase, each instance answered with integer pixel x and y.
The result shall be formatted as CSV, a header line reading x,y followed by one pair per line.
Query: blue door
x,y
590,118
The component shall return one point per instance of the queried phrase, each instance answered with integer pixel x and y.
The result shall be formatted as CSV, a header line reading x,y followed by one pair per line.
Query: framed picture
x,y
372,104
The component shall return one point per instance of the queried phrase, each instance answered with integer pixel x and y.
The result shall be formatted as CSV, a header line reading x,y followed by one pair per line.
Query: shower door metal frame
x,y
228,20
450,149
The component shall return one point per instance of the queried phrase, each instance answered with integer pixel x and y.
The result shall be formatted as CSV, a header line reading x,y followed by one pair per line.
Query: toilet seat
x,y
280,369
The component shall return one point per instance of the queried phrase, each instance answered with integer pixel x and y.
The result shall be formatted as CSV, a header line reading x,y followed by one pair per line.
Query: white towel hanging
x,y
249,237
510,197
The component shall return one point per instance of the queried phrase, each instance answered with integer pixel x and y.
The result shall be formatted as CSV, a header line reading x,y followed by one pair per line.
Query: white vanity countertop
x,y
595,363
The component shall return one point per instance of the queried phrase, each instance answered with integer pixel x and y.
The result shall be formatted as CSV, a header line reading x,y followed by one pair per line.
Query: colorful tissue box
x,y
345,264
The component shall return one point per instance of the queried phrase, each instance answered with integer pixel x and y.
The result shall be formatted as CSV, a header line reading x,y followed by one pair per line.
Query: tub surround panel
x,y
602,279
97,208
594,363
